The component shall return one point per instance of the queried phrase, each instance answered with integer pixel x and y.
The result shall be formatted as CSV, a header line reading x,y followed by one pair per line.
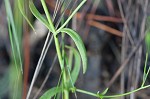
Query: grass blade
x,y
14,32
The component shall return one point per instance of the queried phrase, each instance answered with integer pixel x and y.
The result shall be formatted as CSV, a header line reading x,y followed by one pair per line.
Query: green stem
x,y
70,17
112,96
120,95
58,52
66,94
65,91
144,75
86,92
48,15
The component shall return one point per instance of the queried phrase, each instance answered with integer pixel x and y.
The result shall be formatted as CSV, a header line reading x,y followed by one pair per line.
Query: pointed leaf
x,y
79,43
77,63
105,91
13,32
101,95
38,15
51,92
21,8
147,41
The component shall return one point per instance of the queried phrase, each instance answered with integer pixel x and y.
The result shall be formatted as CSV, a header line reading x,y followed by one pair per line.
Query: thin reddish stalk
x,y
26,61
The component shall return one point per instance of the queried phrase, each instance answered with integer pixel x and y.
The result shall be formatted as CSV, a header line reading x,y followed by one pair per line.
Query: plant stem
x,y
119,95
112,96
66,93
86,92
58,52
144,75
70,17
48,15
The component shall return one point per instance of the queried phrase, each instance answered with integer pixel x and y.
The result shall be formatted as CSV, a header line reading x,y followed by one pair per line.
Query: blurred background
x,y
113,33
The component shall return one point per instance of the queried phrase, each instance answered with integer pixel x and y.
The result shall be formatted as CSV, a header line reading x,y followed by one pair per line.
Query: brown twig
x,y
104,18
105,28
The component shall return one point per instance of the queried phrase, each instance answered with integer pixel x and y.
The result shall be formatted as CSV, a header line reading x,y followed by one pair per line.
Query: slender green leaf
x,y
101,95
14,71
18,20
51,92
144,75
105,91
70,17
48,16
21,8
13,32
147,41
37,14
77,63
79,43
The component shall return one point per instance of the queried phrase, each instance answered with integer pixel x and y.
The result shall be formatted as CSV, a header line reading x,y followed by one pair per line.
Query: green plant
x,y
61,57
69,73
15,35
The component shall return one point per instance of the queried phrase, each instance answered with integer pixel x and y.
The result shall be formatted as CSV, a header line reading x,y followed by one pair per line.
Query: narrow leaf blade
x,y
79,43
105,91
21,8
77,63
51,92
37,14
147,41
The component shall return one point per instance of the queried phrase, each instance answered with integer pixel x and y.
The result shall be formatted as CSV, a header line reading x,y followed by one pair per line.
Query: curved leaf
x,y
77,63
105,91
37,14
79,43
21,8
51,92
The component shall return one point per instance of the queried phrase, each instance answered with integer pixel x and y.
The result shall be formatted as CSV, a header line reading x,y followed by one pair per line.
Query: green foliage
x,y
51,93
76,69
37,14
79,43
70,75
15,36
101,95
147,41
73,72
22,10
51,25
70,17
